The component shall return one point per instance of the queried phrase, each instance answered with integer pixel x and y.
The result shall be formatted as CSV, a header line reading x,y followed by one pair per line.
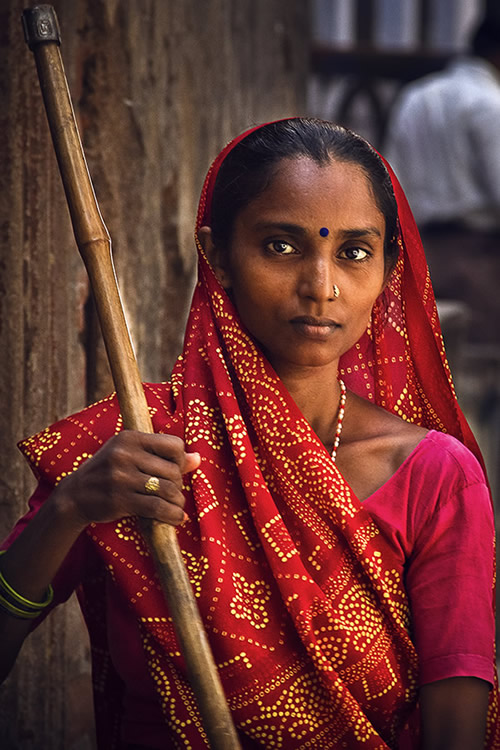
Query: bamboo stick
x,y
42,35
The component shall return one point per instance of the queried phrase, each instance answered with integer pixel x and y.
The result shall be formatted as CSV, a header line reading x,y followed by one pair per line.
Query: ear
x,y
216,257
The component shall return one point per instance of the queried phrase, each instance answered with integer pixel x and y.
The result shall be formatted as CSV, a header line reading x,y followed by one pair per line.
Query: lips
x,y
314,328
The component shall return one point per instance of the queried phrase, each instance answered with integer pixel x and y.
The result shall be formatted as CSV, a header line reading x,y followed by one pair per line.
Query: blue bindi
x,y
324,232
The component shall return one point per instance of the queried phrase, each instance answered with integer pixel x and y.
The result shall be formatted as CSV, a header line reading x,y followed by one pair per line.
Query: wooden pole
x,y
42,35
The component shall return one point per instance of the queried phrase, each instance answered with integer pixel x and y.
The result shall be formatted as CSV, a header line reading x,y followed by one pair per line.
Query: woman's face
x,y
281,270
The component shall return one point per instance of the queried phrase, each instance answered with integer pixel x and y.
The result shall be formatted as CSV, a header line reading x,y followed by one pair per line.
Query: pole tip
x,y
40,25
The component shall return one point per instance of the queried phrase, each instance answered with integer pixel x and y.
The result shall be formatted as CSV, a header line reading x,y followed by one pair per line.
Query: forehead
x,y
337,191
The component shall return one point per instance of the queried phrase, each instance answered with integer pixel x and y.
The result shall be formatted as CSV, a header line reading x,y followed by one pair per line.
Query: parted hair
x,y
250,167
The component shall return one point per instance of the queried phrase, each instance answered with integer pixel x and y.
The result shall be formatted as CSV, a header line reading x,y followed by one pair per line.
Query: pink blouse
x,y
437,513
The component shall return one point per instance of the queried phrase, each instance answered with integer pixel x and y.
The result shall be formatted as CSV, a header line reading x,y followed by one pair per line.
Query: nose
x,y
318,280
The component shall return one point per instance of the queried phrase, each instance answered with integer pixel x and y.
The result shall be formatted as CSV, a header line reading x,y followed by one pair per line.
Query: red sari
x,y
308,622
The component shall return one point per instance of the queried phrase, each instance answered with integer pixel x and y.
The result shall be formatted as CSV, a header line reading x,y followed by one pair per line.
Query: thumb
x,y
192,461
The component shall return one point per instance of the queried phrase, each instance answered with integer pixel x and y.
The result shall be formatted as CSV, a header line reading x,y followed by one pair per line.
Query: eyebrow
x,y
357,233
299,230
282,227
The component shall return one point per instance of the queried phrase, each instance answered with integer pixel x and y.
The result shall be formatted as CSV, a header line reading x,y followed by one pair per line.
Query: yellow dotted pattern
x,y
278,539
298,619
203,425
241,520
241,657
237,432
35,447
196,567
313,557
303,601
177,699
126,529
206,493
76,463
250,601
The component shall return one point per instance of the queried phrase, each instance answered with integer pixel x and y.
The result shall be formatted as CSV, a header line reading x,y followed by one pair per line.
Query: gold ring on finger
x,y
152,485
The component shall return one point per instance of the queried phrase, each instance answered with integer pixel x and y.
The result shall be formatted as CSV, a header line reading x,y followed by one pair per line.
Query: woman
x,y
330,535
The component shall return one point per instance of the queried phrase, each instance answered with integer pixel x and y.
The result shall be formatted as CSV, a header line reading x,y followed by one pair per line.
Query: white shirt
x,y
443,142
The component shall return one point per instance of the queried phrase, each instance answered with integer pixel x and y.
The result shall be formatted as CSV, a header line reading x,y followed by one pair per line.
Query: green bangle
x,y
21,614
19,599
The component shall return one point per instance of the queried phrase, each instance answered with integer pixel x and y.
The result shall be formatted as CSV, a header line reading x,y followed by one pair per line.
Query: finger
x,y
168,447
156,507
167,470
193,460
172,448
155,486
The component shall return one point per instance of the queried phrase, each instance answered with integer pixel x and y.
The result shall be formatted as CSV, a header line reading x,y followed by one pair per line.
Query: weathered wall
x,y
159,86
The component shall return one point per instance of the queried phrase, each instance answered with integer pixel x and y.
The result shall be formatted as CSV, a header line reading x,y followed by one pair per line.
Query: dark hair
x,y
485,40
250,167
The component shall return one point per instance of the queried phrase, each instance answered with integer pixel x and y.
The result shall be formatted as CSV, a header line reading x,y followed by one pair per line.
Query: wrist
x,y
65,511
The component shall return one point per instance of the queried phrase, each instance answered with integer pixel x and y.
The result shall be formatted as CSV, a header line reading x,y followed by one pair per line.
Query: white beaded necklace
x,y
343,396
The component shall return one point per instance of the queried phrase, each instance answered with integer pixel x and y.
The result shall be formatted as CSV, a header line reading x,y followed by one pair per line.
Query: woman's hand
x,y
111,484
108,486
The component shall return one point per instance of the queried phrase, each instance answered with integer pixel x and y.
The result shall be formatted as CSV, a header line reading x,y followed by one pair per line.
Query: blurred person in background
x,y
443,141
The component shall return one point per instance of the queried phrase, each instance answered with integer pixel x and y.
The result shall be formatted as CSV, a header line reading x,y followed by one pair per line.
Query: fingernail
x,y
186,517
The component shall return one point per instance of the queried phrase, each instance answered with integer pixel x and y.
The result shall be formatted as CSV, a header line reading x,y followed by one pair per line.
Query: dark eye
x,y
355,253
281,247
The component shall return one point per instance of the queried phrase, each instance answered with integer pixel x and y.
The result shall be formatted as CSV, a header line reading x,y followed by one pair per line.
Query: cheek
x,y
374,303
367,303
246,298
248,282
222,269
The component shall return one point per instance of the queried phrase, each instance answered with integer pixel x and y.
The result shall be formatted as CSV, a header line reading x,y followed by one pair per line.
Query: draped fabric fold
x,y
298,589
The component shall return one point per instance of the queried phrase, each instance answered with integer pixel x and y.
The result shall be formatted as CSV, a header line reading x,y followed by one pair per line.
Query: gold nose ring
x,y
336,291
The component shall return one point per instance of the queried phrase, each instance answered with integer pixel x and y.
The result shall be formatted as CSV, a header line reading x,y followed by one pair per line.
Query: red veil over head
x,y
400,362
306,614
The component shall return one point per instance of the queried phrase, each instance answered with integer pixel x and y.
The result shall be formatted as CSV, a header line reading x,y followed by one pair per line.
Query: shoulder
x,y
440,488
443,453
441,476
376,444
472,78
427,87
60,448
